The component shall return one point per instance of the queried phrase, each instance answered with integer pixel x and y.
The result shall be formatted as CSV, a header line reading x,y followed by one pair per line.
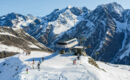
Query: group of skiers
x,y
42,59
38,64
26,52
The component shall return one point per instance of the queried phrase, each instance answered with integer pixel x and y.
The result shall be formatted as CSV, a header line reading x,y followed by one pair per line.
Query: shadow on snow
x,y
12,66
45,58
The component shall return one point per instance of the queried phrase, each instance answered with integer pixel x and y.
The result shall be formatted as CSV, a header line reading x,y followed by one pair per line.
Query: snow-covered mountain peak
x,y
13,16
55,14
115,8
111,10
69,6
115,5
17,20
64,19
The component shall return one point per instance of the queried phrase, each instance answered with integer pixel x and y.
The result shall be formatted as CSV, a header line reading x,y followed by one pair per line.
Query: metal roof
x,y
67,44
67,41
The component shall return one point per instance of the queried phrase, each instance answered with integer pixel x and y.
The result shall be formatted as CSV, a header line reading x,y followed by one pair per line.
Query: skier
x,y
26,52
42,58
38,65
74,61
29,52
78,56
27,70
33,64
4,54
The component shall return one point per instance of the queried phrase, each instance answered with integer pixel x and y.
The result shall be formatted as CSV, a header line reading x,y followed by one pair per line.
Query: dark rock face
x,y
76,11
52,16
6,20
115,11
20,39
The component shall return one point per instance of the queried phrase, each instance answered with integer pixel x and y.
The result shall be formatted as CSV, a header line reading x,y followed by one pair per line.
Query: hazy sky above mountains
x,y
44,7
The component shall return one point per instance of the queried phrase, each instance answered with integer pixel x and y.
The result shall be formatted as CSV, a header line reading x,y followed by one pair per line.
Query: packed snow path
x,y
58,67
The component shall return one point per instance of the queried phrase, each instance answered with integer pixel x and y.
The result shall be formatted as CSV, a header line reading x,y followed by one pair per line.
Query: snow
x,y
20,22
5,33
126,53
69,6
8,68
118,10
114,73
120,26
58,67
9,48
70,19
109,33
100,46
89,24
33,46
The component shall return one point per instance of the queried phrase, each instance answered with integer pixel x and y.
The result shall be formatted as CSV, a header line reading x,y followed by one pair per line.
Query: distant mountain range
x,y
106,29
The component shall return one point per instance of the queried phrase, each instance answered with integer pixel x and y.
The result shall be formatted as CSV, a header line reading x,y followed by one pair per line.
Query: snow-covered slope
x,y
59,67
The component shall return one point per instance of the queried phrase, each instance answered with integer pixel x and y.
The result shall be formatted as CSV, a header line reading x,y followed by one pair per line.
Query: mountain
x,y
59,21
60,67
45,29
105,29
14,41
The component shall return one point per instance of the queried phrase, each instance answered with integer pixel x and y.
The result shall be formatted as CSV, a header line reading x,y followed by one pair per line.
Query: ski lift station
x,y
70,44
67,44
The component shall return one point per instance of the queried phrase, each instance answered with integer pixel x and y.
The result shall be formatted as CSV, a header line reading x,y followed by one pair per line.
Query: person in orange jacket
x,y
74,61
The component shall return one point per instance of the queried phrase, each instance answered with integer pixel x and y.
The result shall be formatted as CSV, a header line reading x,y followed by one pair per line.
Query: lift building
x,y
71,44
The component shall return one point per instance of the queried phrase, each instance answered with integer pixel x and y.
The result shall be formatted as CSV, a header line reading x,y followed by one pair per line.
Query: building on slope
x,y
71,46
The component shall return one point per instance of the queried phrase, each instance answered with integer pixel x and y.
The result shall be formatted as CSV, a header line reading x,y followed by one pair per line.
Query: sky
x,y
44,7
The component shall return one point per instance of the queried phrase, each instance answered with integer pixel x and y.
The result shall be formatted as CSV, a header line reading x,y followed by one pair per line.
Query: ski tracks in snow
x,y
53,72
74,72
78,72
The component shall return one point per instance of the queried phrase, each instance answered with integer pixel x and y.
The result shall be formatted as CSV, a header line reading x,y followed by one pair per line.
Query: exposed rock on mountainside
x,y
13,41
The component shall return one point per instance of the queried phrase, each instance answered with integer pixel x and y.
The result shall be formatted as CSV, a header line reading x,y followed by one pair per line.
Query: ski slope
x,y
59,67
